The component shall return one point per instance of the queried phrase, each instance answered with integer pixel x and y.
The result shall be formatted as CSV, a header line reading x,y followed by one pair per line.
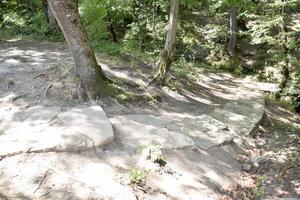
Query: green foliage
x,y
38,24
138,177
259,189
266,29
93,13
26,19
109,48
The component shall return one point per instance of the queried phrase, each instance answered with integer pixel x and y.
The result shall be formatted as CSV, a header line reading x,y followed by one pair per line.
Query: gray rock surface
x,y
3,71
136,131
66,176
243,114
43,128
90,123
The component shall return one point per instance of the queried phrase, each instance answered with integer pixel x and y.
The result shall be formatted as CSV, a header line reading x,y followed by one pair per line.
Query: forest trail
x,y
200,131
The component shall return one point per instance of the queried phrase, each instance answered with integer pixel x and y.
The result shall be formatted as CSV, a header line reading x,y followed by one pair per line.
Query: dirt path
x,y
213,107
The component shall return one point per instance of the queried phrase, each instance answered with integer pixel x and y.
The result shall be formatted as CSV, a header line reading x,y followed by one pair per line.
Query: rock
x,y
206,131
194,175
91,123
101,176
170,133
266,87
38,114
246,166
42,129
244,114
68,176
136,131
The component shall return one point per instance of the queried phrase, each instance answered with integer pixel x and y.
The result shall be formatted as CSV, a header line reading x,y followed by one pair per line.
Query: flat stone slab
x,y
46,128
89,122
136,131
243,114
207,131
266,87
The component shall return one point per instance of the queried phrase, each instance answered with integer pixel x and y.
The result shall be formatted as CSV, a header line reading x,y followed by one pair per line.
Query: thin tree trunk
x,y
171,35
154,14
90,76
50,18
285,71
111,28
165,60
233,30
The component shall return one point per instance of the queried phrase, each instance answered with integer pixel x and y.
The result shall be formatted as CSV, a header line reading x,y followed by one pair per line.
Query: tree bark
x,y
90,76
285,69
165,60
111,28
50,18
233,30
45,7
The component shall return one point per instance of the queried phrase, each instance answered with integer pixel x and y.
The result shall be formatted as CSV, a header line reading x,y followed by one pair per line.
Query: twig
x,y
152,81
47,88
42,74
44,194
42,180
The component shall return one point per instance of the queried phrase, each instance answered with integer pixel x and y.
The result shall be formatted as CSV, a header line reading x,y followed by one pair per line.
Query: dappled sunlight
x,y
199,99
283,115
32,56
181,187
208,173
149,100
199,119
40,128
175,95
12,61
48,175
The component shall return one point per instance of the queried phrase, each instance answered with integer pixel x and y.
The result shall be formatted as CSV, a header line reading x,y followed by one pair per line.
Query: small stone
x,y
246,167
10,83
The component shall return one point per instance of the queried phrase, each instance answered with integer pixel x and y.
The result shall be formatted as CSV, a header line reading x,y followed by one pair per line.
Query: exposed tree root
x,y
163,68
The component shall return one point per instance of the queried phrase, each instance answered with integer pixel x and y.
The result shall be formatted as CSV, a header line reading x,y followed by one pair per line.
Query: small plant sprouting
x,y
138,177
259,189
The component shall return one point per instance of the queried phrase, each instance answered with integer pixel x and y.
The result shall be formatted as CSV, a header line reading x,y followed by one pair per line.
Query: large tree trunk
x,y
233,30
165,60
87,70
